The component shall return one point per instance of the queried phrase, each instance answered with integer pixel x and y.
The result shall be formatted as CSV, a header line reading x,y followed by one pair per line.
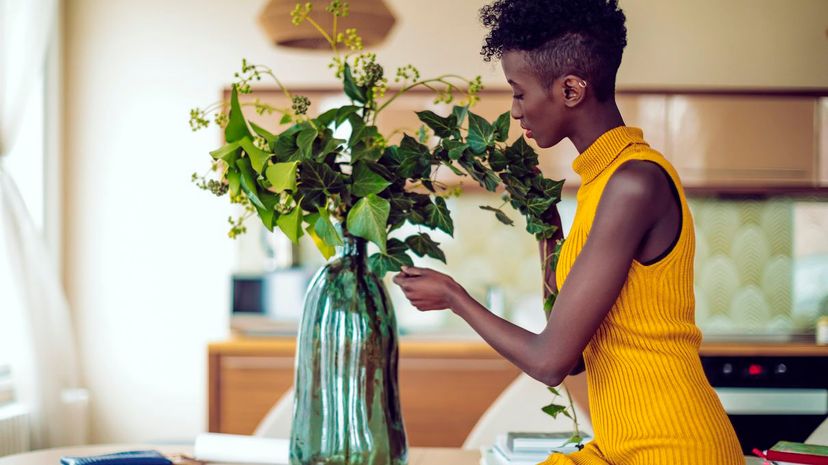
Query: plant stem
x,y
574,415
324,34
441,79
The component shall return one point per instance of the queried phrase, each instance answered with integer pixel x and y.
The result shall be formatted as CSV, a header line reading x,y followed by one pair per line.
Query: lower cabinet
x,y
445,387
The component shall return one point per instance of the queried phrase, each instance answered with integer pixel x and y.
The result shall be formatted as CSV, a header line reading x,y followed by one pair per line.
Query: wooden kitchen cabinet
x,y
444,386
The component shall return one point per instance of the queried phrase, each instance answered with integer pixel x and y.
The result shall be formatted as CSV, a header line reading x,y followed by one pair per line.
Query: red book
x,y
796,452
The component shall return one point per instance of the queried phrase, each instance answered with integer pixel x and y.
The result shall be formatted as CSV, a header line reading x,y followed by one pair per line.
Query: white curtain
x,y
35,322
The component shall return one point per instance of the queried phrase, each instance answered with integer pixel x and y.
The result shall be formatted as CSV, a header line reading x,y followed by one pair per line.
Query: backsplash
x,y
761,265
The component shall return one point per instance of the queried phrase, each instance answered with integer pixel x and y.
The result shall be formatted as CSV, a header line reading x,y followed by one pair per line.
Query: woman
x,y
625,273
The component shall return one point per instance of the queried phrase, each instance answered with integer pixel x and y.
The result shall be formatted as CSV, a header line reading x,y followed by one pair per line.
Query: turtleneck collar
x,y
604,151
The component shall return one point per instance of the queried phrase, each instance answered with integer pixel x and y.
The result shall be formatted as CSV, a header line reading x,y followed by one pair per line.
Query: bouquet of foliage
x,y
305,180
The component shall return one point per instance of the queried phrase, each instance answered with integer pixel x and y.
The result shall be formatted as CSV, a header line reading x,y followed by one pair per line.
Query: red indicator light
x,y
756,370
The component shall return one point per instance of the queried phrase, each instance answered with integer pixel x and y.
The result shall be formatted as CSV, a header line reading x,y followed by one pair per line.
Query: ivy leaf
x,y
454,169
574,439
265,134
554,410
481,134
353,91
267,214
226,151
439,216
285,147
336,115
248,182
316,182
285,119
304,140
538,205
393,260
234,180
442,126
423,245
459,113
282,176
368,218
325,229
455,148
501,126
520,151
415,159
553,390
499,214
498,160
549,303
325,249
258,157
291,224
366,182
236,126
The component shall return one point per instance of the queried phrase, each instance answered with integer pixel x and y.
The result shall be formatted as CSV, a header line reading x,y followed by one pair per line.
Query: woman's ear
x,y
573,89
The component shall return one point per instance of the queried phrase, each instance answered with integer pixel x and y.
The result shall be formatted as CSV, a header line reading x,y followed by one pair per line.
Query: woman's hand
x,y
428,289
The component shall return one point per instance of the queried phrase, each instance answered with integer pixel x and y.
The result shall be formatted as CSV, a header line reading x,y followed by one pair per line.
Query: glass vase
x,y
346,406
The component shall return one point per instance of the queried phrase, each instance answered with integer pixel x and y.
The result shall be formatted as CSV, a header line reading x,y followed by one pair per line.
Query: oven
x,y
770,398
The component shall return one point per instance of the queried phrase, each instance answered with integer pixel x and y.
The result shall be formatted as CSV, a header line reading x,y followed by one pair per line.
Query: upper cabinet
x,y
743,140
752,142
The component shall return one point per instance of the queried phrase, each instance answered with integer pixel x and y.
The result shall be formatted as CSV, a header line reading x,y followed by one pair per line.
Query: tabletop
x,y
416,456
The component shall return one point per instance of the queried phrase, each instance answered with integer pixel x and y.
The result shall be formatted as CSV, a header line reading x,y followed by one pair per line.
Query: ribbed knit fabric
x,y
650,401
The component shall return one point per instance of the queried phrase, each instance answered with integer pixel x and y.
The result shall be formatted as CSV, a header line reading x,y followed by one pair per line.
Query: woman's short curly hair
x,y
581,37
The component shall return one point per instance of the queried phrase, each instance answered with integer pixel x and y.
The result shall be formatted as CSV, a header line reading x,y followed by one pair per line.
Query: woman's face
x,y
538,109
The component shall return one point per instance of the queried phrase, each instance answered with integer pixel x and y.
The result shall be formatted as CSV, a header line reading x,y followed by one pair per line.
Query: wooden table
x,y
416,455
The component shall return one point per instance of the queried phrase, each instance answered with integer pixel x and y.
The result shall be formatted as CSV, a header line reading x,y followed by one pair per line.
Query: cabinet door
x,y
443,398
752,141
245,390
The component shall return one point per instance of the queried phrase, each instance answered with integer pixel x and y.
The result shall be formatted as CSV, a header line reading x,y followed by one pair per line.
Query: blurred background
x,y
96,97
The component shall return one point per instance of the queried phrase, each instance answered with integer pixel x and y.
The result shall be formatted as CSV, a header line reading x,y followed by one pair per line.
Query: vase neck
x,y
354,247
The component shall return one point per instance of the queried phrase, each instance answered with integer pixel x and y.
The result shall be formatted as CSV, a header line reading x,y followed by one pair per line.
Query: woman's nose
x,y
516,113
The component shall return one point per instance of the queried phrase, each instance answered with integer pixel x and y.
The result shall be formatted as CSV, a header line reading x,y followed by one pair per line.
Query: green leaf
x,y
539,205
282,176
498,160
258,157
455,148
549,303
305,140
553,390
317,181
439,216
226,151
236,126
520,151
415,159
368,218
459,113
501,127
267,214
442,126
286,148
265,134
353,91
285,119
291,224
454,169
554,410
393,260
326,249
574,439
248,182
499,214
423,245
481,134
234,180
366,182
325,229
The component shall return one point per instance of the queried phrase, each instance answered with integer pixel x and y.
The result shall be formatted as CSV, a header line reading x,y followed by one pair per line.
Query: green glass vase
x,y
346,408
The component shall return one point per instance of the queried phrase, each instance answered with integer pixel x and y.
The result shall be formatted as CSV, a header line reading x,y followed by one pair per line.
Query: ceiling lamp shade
x,y
371,18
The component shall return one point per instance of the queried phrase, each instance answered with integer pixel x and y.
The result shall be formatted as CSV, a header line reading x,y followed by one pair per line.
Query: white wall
x,y
147,263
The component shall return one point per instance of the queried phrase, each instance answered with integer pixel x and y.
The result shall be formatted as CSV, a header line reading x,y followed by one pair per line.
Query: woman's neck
x,y
595,122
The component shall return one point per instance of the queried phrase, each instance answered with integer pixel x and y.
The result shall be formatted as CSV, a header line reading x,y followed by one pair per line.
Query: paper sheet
x,y
215,447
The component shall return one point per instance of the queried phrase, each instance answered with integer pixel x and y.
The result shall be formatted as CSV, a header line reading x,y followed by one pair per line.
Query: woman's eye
x,y
518,97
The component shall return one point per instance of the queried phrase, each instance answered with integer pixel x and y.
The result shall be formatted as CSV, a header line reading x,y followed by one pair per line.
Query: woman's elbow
x,y
549,376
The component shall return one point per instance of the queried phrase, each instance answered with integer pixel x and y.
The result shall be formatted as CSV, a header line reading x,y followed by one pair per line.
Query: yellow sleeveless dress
x,y
650,401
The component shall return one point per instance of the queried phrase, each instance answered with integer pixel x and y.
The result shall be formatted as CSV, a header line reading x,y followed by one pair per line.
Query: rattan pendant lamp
x,y
371,18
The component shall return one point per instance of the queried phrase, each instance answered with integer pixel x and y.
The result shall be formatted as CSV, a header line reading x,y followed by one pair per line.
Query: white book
x,y
539,442
502,447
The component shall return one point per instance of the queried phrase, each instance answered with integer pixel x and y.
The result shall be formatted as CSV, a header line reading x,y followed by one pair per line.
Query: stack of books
x,y
785,452
516,448
6,388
